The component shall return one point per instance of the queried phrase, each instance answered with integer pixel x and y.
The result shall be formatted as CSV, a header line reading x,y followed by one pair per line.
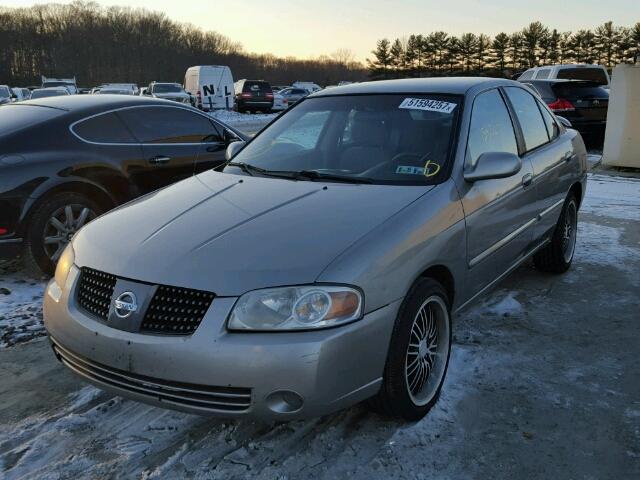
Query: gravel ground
x,y
543,383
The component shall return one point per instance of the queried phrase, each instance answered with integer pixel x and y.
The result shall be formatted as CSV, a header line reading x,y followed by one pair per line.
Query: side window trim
x,y
522,146
515,126
121,144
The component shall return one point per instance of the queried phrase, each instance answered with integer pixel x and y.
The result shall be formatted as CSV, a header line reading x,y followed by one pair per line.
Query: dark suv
x,y
584,103
253,95
66,160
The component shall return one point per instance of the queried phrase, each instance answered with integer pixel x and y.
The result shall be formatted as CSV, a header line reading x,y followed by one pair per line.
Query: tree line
x,y
120,44
439,53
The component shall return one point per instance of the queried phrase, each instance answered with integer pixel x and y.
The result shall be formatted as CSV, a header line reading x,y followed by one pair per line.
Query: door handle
x,y
159,160
568,157
527,179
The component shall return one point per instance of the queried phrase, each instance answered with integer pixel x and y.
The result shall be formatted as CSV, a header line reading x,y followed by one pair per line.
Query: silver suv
x,y
322,265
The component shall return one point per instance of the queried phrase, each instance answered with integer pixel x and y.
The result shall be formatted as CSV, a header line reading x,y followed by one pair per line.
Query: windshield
x,y
56,84
47,93
4,92
593,74
386,139
167,88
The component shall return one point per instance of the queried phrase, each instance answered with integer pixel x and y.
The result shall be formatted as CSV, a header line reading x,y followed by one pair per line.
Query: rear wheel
x,y
558,255
418,355
53,224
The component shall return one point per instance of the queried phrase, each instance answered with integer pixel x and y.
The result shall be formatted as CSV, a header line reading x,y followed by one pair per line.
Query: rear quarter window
x,y
105,128
18,117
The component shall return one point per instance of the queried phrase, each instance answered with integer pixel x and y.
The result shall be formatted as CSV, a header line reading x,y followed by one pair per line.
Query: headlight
x,y
296,308
64,265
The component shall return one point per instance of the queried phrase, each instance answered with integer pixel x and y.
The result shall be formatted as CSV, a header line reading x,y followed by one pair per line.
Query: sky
x,y
311,28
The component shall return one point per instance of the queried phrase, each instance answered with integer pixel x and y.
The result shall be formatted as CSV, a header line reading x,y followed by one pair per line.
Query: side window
x,y
533,127
168,125
550,122
526,75
106,128
490,129
543,73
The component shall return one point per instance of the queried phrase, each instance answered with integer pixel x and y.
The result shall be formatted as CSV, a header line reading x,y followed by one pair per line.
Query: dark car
x,y
583,103
253,95
66,160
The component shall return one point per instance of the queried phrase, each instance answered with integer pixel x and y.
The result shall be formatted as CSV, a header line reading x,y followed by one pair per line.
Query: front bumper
x,y
326,369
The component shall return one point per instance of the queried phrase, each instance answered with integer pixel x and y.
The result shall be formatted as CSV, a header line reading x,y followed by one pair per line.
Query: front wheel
x,y
557,256
52,225
418,355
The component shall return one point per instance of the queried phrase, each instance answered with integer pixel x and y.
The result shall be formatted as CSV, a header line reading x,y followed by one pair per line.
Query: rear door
x,y
498,212
174,140
550,154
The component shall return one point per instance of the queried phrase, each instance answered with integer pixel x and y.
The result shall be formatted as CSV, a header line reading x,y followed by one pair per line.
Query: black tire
x,y
557,256
37,257
395,398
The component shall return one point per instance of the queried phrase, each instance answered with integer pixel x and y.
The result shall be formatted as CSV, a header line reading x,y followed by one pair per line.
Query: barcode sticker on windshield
x,y
426,104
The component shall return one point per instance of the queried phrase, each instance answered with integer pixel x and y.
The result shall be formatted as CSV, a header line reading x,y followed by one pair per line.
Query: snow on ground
x,y
245,122
498,411
617,197
20,307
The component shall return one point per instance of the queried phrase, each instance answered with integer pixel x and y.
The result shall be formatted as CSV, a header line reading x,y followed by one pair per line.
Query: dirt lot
x,y
543,383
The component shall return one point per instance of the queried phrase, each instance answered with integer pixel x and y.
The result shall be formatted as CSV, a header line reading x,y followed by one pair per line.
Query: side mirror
x,y
234,148
564,121
494,165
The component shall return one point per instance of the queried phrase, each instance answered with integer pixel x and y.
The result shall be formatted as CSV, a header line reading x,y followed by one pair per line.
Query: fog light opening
x,y
284,401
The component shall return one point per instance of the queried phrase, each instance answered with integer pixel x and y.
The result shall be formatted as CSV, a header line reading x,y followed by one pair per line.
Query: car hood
x,y
230,234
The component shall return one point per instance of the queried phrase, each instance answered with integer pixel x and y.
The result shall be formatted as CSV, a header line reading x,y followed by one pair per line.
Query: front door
x,y
499,213
174,140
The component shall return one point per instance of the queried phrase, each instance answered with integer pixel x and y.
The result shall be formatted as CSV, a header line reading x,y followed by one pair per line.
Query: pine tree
x,y
531,36
482,51
467,47
397,55
382,55
499,49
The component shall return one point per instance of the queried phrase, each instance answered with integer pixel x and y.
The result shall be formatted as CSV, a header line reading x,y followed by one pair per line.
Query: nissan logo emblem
x,y
125,304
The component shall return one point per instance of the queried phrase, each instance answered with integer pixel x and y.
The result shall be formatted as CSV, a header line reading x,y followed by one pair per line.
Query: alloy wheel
x,y
426,357
62,225
569,230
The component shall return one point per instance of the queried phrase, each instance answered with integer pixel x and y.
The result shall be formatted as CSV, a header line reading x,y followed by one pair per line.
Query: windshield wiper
x,y
315,175
251,169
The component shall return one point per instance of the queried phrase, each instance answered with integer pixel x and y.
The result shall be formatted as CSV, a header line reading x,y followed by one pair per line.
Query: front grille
x,y
94,291
195,396
176,311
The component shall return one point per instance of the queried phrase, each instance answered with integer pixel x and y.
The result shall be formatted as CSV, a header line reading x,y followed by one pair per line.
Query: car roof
x,y
95,103
451,85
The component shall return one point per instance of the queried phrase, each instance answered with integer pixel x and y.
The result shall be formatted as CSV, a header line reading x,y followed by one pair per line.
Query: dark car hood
x,y
230,234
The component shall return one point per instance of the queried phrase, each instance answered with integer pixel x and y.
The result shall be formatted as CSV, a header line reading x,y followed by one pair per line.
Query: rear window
x,y
580,90
15,117
262,87
594,74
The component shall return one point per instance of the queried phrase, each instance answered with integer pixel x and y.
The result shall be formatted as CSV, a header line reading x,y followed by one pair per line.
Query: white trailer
x,y
211,85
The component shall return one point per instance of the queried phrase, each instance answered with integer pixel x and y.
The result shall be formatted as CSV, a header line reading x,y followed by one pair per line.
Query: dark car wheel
x,y
557,256
52,225
418,354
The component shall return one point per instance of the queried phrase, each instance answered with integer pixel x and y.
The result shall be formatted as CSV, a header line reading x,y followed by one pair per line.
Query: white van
x,y
308,86
570,71
211,85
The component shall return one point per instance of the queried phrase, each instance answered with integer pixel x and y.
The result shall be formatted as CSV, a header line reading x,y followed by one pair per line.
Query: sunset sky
x,y
311,28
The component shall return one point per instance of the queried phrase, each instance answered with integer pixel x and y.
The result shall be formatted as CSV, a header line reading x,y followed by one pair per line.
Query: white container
x,y
622,135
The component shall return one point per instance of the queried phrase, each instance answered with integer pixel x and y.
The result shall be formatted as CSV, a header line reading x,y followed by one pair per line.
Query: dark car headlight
x,y
296,308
